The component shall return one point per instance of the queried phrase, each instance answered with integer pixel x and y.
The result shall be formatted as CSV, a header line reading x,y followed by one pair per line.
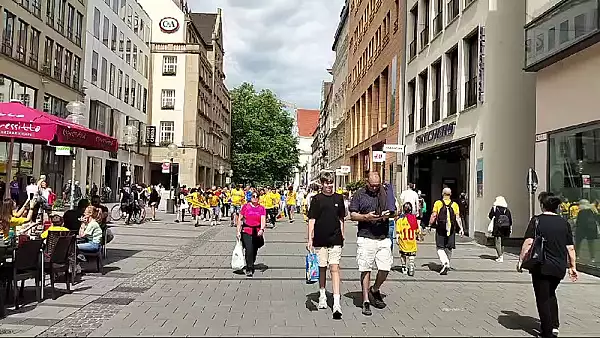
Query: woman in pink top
x,y
250,229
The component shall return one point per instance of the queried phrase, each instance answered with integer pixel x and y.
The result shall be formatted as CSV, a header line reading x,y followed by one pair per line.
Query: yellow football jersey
x,y
406,237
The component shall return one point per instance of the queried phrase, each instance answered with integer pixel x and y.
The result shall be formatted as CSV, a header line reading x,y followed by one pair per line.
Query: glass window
x,y
126,97
167,132
111,87
34,48
78,28
169,65
58,62
61,6
574,174
103,74
70,22
121,43
105,31
96,23
168,99
50,12
9,32
129,13
76,71
564,32
115,6
94,68
133,87
120,84
22,41
138,105
128,52
68,64
113,39
134,57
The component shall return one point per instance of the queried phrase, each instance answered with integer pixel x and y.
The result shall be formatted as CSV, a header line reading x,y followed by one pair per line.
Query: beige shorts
x,y
329,256
372,252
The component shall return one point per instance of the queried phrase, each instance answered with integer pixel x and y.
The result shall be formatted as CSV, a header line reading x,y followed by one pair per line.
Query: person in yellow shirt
x,y
193,199
12,220
213,201
237,199
445,218
290,202
269,203
407,232
277,202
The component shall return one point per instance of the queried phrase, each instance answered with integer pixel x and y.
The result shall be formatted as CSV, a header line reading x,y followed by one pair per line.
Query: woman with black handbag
x,y
548,252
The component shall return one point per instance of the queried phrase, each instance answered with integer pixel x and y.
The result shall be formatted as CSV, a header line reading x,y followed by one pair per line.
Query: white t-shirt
x,y
32,189
411,197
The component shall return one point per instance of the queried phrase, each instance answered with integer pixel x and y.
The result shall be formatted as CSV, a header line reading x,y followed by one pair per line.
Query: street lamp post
x,y
76,108
129,138
221,172
172,152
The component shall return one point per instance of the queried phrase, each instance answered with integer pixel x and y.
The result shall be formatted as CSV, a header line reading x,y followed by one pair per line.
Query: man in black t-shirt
x,y
326,235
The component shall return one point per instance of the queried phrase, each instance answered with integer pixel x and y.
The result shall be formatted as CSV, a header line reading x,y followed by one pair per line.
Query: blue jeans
x,y
392,232
88,246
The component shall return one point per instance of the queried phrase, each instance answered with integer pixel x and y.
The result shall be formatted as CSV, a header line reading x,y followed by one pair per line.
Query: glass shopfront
x,y
22,165
574,173
14,90
53,166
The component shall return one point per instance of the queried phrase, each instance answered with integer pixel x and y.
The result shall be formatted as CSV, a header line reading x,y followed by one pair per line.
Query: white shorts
x,y
378,251
329,256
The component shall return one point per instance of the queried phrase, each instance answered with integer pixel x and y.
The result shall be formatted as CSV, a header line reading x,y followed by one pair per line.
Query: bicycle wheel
x,y
115,213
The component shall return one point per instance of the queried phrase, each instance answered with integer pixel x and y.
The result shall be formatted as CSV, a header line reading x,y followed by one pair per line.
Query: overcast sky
x,y
283,45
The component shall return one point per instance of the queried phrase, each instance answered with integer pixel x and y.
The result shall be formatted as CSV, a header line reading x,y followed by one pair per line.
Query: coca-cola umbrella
x,y
21,123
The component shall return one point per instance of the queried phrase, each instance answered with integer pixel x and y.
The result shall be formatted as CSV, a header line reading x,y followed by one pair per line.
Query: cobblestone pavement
x,y
188,289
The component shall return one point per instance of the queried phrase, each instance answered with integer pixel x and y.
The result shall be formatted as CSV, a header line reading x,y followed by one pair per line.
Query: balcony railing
x,y
436,109
412,49
423,116
452,10
437,23
471,92
424,37
452,97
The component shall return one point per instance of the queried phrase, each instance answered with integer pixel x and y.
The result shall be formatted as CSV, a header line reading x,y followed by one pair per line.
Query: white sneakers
x,y
337,311
322,302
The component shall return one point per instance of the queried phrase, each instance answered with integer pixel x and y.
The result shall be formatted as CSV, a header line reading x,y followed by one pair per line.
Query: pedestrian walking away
x,y
369,207
446,221
326,236
290,202
250,229
559,257
500,226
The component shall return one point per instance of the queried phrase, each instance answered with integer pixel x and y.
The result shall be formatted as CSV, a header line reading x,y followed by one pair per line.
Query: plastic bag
x,y
490,228
312,268
237,258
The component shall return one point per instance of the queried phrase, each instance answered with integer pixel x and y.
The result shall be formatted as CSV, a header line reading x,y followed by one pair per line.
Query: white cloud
x,y
283,45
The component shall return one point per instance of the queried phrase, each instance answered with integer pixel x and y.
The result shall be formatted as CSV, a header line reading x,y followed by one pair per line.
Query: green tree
x,y
263,148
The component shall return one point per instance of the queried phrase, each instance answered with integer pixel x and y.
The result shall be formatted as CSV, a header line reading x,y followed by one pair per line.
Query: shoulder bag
x,y
536,255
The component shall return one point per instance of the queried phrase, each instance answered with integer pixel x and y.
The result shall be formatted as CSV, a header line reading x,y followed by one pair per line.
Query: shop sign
x,y
166,167
393,148
378,156
227,180
587,181
339,172
481,64
437,133
345,169
150,134
62,151
168,25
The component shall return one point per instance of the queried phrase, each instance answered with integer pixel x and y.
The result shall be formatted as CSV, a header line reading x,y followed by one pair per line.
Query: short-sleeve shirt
x,y
214,200
252,215
437,206
557,232
237,197
93,232
327,211
290,198
364,202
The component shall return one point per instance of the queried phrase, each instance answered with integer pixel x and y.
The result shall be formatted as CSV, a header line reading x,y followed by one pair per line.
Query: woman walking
x,y
501,224
154,201
559,253
250,229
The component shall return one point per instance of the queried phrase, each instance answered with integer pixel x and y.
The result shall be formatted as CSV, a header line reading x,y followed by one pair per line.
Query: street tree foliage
x,y
264,149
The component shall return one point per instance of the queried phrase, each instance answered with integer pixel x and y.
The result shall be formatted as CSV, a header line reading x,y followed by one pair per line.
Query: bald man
x,y
369,207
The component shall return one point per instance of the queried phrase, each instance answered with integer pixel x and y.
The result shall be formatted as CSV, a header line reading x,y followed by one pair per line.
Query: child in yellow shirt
x,y
407,232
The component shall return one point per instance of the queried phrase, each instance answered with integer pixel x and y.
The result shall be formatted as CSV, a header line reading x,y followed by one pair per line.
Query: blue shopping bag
x,y
312,268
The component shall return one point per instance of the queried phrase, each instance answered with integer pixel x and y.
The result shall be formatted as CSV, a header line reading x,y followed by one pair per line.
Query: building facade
x,y
190,104
307,122
336,141
41,60
469,106
116,82
375,29
320,145
562,49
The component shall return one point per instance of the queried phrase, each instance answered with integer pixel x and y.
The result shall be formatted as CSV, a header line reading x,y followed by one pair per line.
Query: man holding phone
x,y
369,207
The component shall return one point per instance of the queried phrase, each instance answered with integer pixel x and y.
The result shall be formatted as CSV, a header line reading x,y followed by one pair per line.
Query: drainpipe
x,y
401,137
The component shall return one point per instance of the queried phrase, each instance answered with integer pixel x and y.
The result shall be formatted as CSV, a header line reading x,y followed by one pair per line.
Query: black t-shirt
x,y
557,232
71,219
364,202
327,211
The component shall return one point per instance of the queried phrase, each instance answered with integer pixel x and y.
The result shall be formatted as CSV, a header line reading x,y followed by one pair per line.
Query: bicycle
x,y
117,213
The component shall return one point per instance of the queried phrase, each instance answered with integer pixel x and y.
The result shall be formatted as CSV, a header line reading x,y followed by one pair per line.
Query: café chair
x,y
58,261
26,265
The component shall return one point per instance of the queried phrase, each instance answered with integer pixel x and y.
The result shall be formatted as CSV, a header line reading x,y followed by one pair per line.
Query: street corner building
x,y
191,106
562,51
469,108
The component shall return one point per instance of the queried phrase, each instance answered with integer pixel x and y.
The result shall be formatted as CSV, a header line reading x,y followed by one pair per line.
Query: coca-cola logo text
x,y
104,142
74,134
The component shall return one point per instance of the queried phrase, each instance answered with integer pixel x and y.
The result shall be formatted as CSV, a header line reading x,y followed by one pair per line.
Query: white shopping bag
x,y
490,228
237,258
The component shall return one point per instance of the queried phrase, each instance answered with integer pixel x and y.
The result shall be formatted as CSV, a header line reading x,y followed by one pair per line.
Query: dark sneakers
x,y
366,310
249,273
377,299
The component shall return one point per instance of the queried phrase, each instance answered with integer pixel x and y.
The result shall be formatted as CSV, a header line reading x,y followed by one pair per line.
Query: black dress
x,y
498,231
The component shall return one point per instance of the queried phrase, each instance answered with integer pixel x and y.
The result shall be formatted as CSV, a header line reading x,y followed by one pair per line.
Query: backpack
x,y
442,217
501,220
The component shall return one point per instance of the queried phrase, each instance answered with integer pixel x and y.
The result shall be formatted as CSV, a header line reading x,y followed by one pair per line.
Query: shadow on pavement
x,y
514,321
356,297
115,255
261,267
432,266
312,299
490,257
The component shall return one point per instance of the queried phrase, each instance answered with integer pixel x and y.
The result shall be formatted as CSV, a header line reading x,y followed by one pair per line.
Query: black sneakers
x,y
377,299
249,273
366,310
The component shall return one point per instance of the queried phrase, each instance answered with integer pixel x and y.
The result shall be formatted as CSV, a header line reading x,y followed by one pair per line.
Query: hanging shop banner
x,y
378,156
345,169
150,134
166,167
479,177
481,65
62,151
587,181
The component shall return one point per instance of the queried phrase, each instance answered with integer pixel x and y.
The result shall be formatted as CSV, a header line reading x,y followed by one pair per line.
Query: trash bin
x,y
170,206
